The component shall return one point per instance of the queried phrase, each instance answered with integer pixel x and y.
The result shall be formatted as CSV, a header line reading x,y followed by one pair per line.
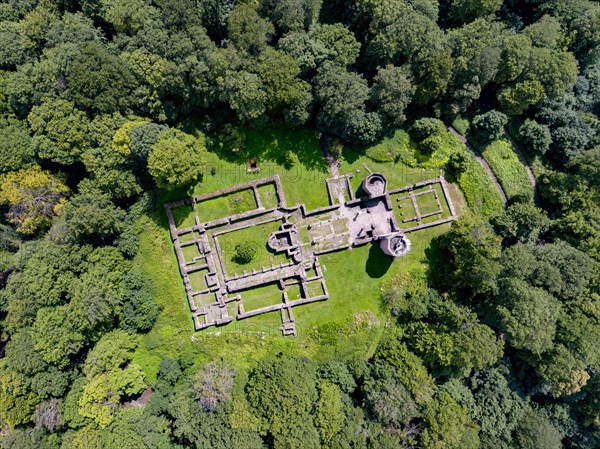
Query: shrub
x,y
244,252
535,137
488,127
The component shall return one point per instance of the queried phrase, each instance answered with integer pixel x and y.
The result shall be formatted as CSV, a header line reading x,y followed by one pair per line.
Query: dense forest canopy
x,y
109,106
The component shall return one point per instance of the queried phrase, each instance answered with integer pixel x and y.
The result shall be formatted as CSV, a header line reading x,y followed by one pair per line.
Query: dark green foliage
x,y
282,391
92,217
16,146
100,81
488,127
535,137
169,371
536,431
244,252
142,138
139,309
341,114
521,222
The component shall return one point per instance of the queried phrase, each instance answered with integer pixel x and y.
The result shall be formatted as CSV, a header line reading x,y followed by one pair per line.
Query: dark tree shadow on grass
x,y
378,263
439,265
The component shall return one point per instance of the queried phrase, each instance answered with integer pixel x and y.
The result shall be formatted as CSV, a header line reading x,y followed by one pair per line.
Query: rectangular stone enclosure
x,y
285,267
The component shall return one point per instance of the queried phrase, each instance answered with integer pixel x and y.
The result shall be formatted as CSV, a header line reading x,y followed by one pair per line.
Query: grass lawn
x,y
508,168
294,154
479,190
184,216
261,297
268,196
353,277
223,206
398,174
264,257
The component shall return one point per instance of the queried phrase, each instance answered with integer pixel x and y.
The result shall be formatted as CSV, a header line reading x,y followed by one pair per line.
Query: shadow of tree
x,y
378,263
439,264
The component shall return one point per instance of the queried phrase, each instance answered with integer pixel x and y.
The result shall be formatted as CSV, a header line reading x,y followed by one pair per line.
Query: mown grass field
x,y
353,318
508,168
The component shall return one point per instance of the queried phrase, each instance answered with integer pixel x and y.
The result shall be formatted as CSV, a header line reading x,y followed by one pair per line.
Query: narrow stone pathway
x,y
333,163
482,161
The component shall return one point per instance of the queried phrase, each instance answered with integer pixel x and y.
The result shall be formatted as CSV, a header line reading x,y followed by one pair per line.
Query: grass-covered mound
x,y
511,173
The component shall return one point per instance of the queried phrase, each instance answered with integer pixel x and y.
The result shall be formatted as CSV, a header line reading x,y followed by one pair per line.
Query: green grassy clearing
x,y
294,154
508,168
259,235
268,196
223,206
266,295
479,190
190,251
184,216
198,280
397,148
398,174
354,309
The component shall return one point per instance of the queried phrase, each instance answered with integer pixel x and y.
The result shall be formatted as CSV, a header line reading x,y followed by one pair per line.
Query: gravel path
x,y
482,161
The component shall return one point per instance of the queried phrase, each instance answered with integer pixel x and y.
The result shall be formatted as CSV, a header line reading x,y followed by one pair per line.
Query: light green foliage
x,y
326,42
34,196
397,148
60,131
562,372
176,159
448,426
329,412
121,142
111,351
467,10
546,33
34,28
285,92
129,16
102,395
516,99
156,73
407,295
510,171
55,335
